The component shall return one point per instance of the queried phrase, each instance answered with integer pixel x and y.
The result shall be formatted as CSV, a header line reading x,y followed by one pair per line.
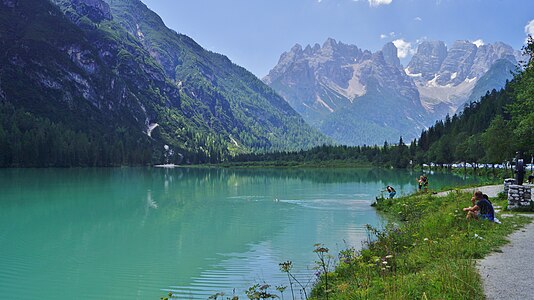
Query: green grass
x,y
428,251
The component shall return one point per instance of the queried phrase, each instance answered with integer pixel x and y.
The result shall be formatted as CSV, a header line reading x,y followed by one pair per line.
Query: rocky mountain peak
x,y
329,48
428,59
296,49
337,81
330,43
389,51
456,66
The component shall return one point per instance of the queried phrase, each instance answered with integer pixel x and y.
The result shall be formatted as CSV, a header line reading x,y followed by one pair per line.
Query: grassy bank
x,y
429,252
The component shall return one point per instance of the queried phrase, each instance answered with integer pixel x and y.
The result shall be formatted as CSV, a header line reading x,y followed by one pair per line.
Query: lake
x,y
135,233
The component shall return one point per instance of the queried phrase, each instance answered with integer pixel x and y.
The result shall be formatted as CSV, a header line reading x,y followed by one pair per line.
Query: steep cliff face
x,y
428,59
76,63
54,68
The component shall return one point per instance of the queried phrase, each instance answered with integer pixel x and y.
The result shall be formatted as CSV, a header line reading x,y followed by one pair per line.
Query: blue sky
x,y
253,33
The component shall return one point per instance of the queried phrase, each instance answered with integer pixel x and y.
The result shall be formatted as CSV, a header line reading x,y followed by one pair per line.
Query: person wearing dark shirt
x,y
481,209
391,191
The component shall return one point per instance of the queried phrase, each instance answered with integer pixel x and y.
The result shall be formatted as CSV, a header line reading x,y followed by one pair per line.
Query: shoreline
x,y
431,252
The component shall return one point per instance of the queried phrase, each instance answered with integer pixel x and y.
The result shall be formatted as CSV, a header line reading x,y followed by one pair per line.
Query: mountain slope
x,y
446,78
358,97
495,78
244,107
77,68
354,96
51,69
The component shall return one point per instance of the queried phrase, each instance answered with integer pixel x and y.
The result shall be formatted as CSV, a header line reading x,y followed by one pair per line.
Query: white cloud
x,y
375,3
529,29
417,19
478,42
404,48
391,35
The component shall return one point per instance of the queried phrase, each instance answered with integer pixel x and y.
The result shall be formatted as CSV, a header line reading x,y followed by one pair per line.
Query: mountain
x,y
359,97
125,85
446,78
353,96
250,112
495,78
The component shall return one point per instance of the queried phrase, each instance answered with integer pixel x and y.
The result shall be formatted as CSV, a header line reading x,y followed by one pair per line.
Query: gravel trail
x,y
509,274
490,190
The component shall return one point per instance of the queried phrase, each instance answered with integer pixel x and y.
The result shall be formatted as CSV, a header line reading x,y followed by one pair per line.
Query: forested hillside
x,y
490,130
80,87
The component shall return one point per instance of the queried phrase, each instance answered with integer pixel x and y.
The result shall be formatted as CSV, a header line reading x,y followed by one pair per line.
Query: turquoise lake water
x,y
135,233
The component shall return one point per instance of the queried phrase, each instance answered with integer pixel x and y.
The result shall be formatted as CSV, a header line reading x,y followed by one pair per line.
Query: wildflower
x,y
385,262
286,266
389,256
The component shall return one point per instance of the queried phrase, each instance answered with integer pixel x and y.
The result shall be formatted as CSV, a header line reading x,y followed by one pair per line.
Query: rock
x,y
95,10
428,59
389,51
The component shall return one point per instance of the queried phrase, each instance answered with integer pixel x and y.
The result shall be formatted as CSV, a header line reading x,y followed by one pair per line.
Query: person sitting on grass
x,y
481,208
